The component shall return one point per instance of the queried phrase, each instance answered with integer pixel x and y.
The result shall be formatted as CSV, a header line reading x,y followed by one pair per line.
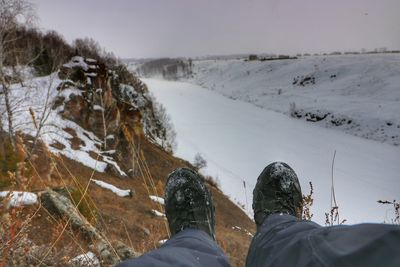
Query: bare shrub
x,y
199,162
87,47
214,182
168,135
396,209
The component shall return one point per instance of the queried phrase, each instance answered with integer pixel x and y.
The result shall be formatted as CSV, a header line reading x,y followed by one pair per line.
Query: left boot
x,y
188,203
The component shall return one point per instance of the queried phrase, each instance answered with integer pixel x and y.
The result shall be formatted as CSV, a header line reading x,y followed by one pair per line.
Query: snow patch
x,y
242,230
157,213
162,241
19,199
77,62
98,108
157,199
87,259
110,137
111,161
113,188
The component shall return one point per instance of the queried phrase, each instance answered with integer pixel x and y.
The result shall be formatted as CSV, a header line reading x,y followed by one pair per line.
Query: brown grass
x,y
126,219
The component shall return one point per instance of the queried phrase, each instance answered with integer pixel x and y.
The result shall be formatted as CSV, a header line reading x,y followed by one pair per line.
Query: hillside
x,y
356,94
91,147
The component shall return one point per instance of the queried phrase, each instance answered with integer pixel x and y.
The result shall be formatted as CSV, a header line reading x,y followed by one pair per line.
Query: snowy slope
x,y
358,94
38,95
238,140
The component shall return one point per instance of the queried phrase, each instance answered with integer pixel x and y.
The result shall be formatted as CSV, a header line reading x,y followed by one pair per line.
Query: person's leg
x,y
188,248
281,240
277,200
190,212
284,240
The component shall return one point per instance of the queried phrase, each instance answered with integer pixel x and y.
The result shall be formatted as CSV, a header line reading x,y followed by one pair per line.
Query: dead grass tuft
x,y
396,210
307,203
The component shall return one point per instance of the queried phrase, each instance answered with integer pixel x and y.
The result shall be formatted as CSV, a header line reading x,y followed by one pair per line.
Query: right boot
x,y
277,191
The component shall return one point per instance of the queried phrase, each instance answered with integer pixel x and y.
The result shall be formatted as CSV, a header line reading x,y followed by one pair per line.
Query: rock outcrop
x,y
114,105
62,206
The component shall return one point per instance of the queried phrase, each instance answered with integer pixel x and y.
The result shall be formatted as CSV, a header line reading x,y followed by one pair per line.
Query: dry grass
x,y
333,216
396,210
308,201
126,219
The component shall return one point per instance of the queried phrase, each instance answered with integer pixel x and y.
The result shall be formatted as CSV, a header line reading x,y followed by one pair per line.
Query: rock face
x,y
60,205
114,105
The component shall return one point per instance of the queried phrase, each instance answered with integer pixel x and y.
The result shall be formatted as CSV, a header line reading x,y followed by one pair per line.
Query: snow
x,y
113,188
157,213
132,96
33,95
18,198
97,107
112,151
91,74
22,72
87,259
77,62
110,137
82,155
359,92
162,241
238,140
111,161
242,230
157,199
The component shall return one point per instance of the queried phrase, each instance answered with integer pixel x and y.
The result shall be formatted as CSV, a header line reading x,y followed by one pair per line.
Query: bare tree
x,y
44,115
167,128
87,47
11,13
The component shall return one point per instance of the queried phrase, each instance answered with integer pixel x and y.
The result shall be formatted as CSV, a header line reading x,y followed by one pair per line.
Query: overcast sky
x,y
157,28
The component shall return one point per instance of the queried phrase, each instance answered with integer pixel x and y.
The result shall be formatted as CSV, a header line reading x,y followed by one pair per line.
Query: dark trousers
x,y
188,248
283,240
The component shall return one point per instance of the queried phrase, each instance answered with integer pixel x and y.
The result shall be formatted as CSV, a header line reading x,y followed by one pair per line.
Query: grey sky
x,y
154,28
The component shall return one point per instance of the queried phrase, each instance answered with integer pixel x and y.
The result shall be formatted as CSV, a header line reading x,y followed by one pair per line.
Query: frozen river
x,y
238,140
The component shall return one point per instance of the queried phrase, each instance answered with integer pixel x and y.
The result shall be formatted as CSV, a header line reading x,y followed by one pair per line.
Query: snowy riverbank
x,y
355,94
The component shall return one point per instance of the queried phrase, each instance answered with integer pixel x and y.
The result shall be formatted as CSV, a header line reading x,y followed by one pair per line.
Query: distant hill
x,y
355,93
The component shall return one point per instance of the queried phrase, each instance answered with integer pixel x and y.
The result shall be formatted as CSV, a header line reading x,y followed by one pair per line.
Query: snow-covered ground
x,y
33,100
356,94
239,139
